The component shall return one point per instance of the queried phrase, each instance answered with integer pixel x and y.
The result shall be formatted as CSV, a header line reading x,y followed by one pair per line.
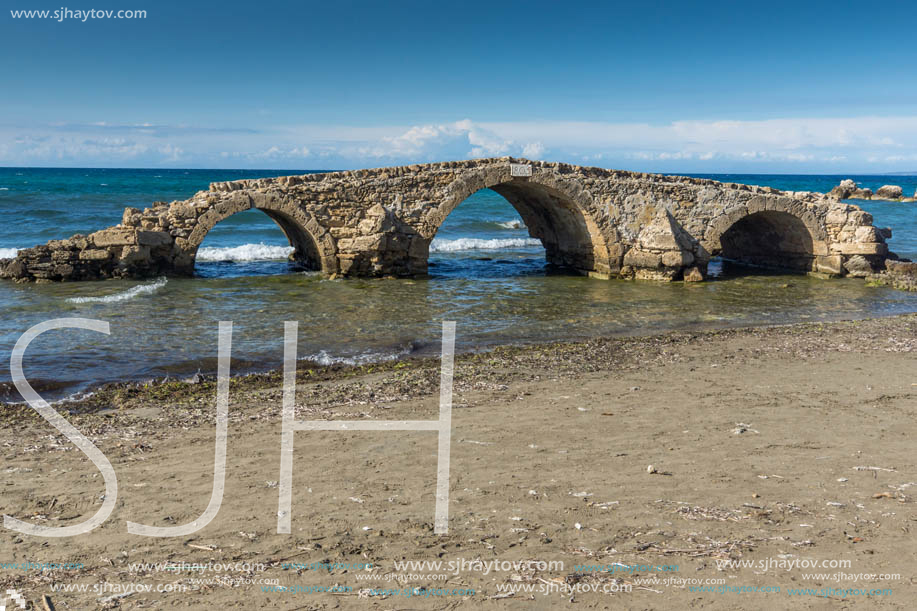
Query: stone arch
x,y
768,232
313,246
555,210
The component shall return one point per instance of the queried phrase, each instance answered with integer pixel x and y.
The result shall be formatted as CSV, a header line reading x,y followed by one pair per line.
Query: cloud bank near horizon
x,y
824,145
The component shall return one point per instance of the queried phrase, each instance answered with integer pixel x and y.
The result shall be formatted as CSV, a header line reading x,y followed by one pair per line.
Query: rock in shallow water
x,y
844,190
890,192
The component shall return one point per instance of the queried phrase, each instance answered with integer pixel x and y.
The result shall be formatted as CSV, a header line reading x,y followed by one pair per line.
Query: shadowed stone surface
x,y
380,222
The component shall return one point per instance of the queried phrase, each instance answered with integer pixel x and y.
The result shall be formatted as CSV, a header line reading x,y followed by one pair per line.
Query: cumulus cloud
x,y
424,142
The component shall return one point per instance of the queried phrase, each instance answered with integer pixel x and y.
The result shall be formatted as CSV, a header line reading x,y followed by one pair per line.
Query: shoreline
x,y
202,383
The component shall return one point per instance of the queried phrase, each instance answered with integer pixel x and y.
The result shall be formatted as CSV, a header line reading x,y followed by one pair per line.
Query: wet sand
x,y
769,445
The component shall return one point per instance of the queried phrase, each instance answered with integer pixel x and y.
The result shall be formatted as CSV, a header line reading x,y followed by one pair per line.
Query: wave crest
x,y
478,244
8,253
143,289
246,252
517,224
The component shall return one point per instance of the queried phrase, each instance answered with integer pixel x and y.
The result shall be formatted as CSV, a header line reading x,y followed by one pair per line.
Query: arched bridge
x,y
380,222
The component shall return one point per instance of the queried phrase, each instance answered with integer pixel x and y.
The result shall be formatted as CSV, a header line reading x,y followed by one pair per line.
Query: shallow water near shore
x,y
485,273
171,329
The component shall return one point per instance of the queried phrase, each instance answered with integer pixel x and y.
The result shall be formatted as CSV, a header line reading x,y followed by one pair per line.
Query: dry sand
x,y
771,445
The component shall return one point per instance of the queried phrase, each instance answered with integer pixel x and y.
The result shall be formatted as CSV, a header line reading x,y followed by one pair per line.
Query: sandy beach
x,y
749,468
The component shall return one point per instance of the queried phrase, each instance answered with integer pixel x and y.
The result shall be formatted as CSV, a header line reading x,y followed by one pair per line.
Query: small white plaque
x,y
520,169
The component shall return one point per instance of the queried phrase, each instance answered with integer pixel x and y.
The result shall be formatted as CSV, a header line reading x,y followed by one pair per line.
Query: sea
x,y
486,274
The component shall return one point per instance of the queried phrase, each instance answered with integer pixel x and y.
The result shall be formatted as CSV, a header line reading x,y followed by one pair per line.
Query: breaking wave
x,y
143,289
478,244
517,224
246,252
8,253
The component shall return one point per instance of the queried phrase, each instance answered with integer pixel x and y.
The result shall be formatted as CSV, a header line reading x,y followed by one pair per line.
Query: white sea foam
x,y
143,289
8,253
4,188
246,252
478,244
323,358
511,224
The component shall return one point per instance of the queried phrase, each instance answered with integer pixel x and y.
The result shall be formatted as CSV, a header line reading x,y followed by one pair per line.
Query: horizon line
x,y
327,170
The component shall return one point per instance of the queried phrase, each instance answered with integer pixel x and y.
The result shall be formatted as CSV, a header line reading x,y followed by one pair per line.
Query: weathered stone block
x,y
95,254
133,255
154,238
656,275
128,217
182,210
371,225
14,269
830,264
858,266
677,258
853,248
867,234
836,216
642,259
363,244
114,237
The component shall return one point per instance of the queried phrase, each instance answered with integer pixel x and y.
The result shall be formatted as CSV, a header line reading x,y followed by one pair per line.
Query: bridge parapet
x,y
380,222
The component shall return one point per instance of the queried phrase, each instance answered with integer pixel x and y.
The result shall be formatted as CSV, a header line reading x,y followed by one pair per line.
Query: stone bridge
x,y
380,222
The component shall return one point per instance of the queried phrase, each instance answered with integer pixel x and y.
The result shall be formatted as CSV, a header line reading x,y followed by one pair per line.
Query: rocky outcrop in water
x,y
848,189
889,192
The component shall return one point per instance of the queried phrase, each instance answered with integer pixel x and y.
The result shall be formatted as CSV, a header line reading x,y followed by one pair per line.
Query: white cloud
x,y
423,142
792,144
53,147
533,150
172,153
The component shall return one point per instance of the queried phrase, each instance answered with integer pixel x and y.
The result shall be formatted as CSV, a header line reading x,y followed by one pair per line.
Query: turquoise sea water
x,y
486,273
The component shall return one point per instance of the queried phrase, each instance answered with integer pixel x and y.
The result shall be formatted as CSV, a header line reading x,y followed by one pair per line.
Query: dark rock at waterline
x,y
859,266
900,274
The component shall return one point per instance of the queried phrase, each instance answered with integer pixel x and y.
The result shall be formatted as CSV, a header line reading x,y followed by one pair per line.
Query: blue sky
x,y
659,86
